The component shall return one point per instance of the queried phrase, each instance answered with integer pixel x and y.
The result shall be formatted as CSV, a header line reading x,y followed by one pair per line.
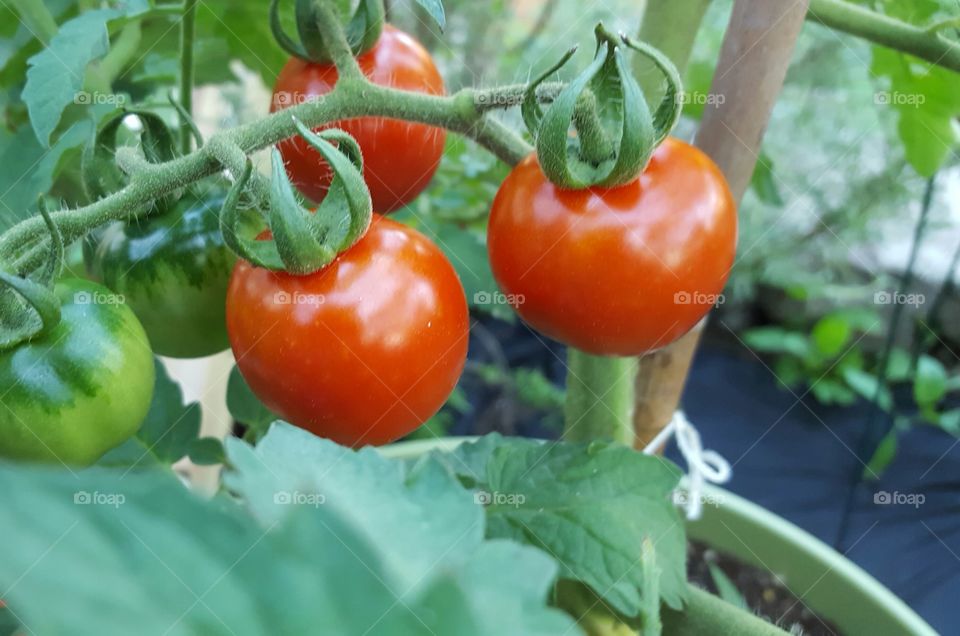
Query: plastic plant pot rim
x,y
827,582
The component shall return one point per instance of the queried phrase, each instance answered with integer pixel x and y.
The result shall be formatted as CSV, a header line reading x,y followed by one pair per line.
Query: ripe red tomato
x,y
399,157
619,271
361,352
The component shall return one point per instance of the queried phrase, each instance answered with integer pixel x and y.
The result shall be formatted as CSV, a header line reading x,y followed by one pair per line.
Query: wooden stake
x,y
753,64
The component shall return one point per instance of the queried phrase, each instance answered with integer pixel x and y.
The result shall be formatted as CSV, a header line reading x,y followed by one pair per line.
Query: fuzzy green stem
x,y
122,50
671,26
37,18
918,41
350,98
504,97
599,400
704,613
595,144
187,33
335,40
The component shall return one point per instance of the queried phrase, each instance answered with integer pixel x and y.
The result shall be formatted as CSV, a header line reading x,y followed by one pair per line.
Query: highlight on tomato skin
x,y
400,158
620,271
363,351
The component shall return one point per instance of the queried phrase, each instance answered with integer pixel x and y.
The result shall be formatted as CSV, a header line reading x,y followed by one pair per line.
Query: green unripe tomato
x,y
82,388
172,270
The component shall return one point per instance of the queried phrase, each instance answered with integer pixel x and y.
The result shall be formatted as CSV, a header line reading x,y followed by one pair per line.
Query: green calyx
x,y
99,170
616,133
305,242
362,29
29,308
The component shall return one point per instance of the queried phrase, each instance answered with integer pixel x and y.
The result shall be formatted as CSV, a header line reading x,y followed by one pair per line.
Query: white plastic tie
x,y
702,465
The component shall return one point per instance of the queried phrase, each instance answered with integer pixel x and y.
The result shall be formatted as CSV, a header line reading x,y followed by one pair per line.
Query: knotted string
x,y
702,465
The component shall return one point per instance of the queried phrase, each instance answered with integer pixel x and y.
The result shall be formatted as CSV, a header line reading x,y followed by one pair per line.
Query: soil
x,y
763,592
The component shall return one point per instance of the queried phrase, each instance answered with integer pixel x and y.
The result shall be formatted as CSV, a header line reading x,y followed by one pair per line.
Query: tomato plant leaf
x,y
777,340
764,182
56,74
169,562
168,433
28,170
930,384
243,29
245,407
589,506
421,507
369,488
206,451
926,99
726,588
830,335
434,9
867,386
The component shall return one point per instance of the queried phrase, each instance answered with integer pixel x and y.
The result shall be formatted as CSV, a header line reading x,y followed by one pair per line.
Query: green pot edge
x,y
828,582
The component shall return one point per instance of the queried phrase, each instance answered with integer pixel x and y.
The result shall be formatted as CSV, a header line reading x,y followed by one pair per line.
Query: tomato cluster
x,y
369,347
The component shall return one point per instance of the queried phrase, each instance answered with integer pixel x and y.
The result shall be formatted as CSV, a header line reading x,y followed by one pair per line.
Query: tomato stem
x,y
599,401
187,32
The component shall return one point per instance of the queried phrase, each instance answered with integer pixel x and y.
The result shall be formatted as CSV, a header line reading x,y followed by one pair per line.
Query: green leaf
x,y
882,457
423,509
830,335
591,507
927,100
206,451
367,488
930,384
27,170
434,9
764,182
244,406
950,422
777,340
726,589
536,390
169,432
166,561
56,74
244,28
866,385
830,391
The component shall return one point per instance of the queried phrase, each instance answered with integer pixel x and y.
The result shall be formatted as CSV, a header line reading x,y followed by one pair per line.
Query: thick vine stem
x,y
351,98
880,29
505,97
335,40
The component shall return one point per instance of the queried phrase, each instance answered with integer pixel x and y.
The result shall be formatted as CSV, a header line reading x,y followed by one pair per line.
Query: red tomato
x,y
399,157
361,352
619,271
